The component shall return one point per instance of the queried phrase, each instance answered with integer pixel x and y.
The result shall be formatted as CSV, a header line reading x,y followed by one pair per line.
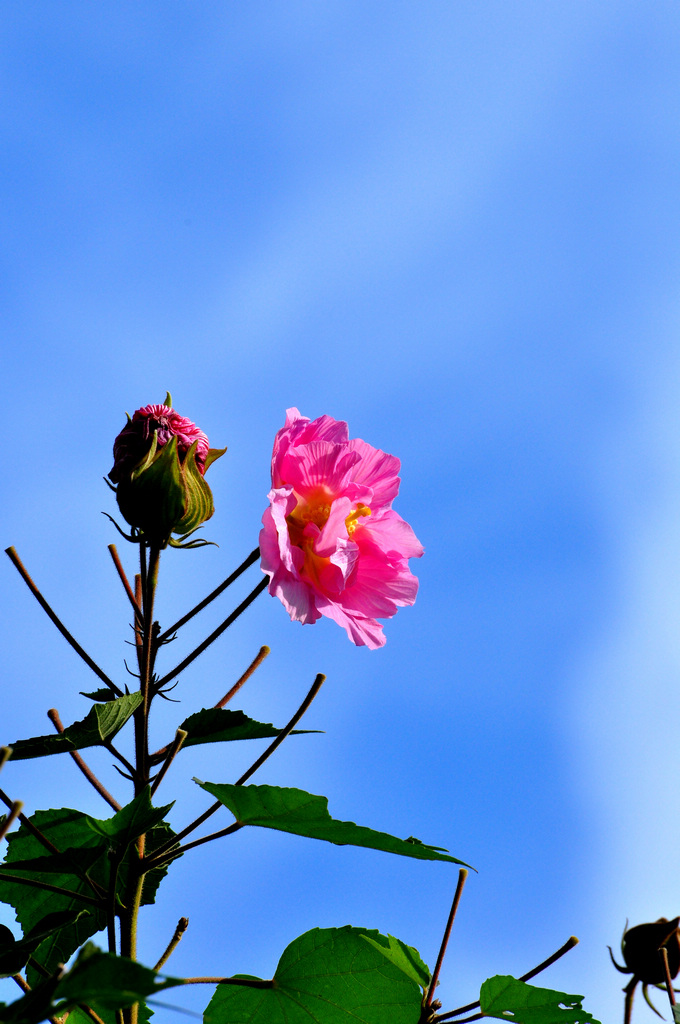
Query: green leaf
x,y
676,1013
83,854
106,982
326,976
101,723
406,958
14,953
303,814
507,998
105,694
216,725
32,1008
85,844
131,821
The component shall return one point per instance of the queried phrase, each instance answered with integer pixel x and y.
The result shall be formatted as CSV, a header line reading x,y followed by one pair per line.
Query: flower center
x,y
317,512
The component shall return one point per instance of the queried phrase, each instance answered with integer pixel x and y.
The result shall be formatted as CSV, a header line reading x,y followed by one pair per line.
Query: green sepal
x,y
101,723
198,507
213,455
304,814
154,498
505,997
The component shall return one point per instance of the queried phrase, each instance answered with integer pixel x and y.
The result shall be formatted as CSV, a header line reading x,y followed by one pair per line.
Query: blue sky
x,y
455,226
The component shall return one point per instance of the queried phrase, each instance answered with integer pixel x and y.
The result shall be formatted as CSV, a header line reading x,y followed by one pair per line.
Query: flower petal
x,y
377,471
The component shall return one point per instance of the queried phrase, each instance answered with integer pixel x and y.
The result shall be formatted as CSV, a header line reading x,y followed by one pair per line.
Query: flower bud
x,y
640,947
160,459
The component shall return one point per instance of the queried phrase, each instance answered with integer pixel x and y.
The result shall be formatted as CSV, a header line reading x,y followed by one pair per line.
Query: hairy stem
x,y
182,926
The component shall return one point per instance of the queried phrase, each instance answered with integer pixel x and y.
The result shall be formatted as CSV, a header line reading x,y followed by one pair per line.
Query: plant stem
x,y
173,750
14,813
124,580
145,587
255,663
182,926
462,875
215,634
6,876
252,557
628,1002
54,718
569,944
18,564
158,856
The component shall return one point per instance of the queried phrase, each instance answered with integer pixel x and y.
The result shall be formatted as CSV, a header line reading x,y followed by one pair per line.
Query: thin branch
x,y
462,875
663,953
124,580
18,564
214,635
628,1002
11,818
171,846
182,926
569,944
286,731
174,853
255,664
252,557
245,982
47,843
175,746
54,718
117,754
36,884
5,754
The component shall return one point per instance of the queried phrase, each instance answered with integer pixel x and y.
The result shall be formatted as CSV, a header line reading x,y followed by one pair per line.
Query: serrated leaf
x,y
507,998
326,976
85,844
69,831
217,725
105,982
304,814
102,722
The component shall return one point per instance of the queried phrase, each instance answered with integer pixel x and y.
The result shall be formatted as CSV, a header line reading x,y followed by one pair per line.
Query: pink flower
x,y
134,440
331,543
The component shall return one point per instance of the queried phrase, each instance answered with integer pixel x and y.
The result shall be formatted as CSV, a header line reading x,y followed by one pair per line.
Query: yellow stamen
x,y
351,521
